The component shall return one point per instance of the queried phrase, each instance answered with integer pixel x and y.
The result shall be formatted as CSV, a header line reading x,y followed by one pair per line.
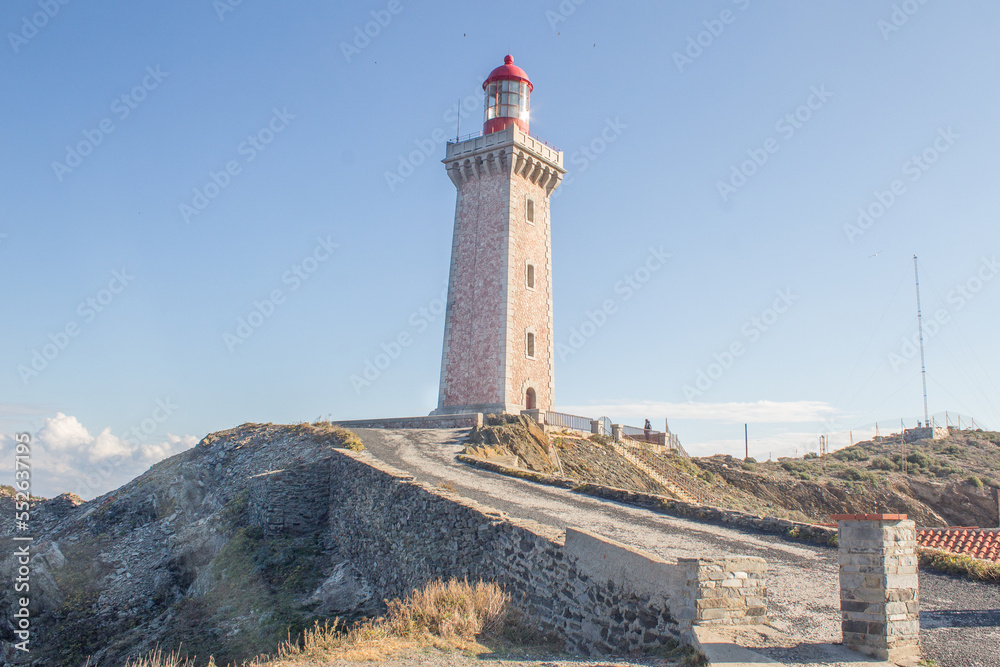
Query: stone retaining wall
x,y
595,594
292,501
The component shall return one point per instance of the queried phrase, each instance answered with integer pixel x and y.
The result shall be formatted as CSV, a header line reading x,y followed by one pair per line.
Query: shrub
x,y
989,481
975,481
953,450
796,466
747,465
751,460
855,475
811,455
882,463
921,460
851,454
949,563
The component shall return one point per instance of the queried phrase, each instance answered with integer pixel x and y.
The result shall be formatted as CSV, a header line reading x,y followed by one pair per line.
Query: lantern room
x,y
508,95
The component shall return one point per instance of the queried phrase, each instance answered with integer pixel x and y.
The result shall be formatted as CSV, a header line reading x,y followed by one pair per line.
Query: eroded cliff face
x,y
196,550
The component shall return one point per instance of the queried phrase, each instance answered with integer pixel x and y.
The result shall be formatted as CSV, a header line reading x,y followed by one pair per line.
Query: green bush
x,y
811,455
851,454
921,460
882,463
797,466
855,475
975,481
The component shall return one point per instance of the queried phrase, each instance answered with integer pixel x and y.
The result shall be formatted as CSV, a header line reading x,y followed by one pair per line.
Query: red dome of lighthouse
x,y
508,71
508,94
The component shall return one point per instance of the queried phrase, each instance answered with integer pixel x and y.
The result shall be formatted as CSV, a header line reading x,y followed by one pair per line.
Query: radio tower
x,y
920,329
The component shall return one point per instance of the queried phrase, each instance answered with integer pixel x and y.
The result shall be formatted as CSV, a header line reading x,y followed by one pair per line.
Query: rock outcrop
x,y
179,554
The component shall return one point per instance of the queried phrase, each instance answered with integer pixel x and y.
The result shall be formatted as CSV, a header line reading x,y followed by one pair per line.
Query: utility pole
x,y
746,442
920,330
902,447
852,437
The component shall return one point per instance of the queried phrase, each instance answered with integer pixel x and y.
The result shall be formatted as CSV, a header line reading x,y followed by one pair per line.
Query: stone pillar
x,y
879,597
721,591
597,426
616,432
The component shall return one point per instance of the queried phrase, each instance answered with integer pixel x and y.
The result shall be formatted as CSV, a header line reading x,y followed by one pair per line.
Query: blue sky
x,y
172,167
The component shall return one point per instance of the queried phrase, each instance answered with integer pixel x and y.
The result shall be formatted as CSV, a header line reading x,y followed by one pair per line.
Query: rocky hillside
x,y
171,557
944,482
518,442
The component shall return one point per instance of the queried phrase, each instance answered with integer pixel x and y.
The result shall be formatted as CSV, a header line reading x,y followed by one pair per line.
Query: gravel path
x,y
960,621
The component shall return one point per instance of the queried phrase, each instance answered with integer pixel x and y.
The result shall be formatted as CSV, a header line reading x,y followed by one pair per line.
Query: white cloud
x,y
65,456
760,412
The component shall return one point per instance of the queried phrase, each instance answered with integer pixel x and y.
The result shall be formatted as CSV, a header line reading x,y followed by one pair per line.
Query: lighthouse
x,y
498,338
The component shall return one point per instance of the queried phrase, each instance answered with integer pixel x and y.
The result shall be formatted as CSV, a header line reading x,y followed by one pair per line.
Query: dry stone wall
x,y
597,595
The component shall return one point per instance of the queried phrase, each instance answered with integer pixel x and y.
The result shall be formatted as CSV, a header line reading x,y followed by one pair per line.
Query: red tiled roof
x,y
975,542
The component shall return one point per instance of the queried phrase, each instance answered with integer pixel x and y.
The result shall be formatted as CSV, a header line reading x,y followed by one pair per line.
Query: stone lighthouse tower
x,y
498,343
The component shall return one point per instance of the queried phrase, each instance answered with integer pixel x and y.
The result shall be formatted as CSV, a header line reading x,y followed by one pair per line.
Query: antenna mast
x,y
920,330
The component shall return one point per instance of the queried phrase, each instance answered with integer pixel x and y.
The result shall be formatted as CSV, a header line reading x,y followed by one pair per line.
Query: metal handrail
x,y
563,420
476,135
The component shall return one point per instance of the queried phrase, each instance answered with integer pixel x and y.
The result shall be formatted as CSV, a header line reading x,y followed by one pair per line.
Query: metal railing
x,y
563,420
641,434
476,135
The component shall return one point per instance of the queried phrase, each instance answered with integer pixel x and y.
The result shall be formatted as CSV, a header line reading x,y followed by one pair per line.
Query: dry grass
x,y
444,615
959,564
157,658
336,436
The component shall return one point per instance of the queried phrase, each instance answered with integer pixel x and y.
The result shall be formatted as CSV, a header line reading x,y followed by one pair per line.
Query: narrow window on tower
x,y
529,212
530,345
530,276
